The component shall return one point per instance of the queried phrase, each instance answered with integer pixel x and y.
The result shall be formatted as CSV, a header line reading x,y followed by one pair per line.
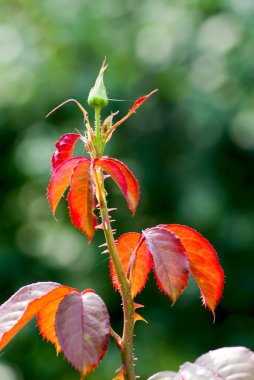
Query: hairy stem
x,y
126,343
97,126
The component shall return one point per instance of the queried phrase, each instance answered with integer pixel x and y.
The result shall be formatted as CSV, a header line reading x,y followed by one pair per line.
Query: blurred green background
x,y
191,146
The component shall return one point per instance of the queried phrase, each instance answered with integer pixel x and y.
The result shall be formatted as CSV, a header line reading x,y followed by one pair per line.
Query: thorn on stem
x,y
99,227
103,245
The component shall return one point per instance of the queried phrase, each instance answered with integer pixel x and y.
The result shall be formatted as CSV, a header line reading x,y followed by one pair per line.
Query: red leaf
x,y
82,327
60,180
124,179
24,305
64,149
138,102
81,198
126,245
170,260
204,263
46,320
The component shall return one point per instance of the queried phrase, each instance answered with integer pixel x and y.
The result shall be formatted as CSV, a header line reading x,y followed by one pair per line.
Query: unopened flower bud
x,y
98,96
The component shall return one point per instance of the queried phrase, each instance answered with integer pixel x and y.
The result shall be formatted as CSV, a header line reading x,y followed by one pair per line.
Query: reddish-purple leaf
x,y
64,149
24,305
82,327
204,263
81,198
124,179
127,245
60,180
170,260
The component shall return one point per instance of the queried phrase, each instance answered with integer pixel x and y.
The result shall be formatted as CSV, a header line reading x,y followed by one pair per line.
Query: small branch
x,y
116,337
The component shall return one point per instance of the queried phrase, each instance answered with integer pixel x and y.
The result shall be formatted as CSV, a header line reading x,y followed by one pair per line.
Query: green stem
x,y
126,344
98,126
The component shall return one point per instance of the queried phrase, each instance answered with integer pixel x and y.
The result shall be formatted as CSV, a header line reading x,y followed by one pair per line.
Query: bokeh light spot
x,y
208,72
154,45
11,45
242,129
8,373
34,150
219,33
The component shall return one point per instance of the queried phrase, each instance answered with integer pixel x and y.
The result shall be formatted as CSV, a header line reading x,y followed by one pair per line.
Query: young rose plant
x,y
77,323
